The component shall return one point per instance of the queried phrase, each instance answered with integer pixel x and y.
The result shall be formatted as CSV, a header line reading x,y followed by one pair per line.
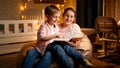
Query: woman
x,y
71,31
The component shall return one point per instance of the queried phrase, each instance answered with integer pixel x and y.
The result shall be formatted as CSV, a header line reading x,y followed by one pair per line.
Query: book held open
x,y
61,39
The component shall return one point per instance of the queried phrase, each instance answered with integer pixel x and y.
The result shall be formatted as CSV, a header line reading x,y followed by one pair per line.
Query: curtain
x,y
87,11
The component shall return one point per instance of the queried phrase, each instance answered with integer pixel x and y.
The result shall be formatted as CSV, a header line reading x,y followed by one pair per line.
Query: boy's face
x,y
54,18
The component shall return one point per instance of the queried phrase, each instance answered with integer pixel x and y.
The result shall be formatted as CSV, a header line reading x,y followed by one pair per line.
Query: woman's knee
x,y
57,47
67,47
59,50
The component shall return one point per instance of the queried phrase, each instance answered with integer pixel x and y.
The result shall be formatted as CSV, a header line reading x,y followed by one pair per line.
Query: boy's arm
x,y
42,34
46,38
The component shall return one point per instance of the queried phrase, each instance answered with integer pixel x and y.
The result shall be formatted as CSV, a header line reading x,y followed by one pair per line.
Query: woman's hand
x,y
75,40
72,44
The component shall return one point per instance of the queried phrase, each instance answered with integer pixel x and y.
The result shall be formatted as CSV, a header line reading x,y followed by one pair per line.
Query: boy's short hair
x,y
51,9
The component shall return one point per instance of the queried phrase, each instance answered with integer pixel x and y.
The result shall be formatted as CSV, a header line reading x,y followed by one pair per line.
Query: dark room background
x,y
87,11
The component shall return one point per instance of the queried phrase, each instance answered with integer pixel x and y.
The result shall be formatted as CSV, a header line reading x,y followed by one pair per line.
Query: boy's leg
x,y
30,58
45,60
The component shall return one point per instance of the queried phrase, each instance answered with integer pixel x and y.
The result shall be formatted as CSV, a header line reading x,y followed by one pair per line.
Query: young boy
x,y
46,33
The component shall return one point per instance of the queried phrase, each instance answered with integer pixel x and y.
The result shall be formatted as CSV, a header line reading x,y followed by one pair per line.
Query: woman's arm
x,y
76,31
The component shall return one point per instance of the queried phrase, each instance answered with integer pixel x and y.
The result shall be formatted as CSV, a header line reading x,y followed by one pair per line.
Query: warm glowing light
x,y
25,6
64,0
22,8
40,0
28,0
58,5
22,16
62,5
25,3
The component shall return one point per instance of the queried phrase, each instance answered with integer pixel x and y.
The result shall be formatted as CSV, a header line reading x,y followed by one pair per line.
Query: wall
x,y
70,3
118,10
9,9
112,9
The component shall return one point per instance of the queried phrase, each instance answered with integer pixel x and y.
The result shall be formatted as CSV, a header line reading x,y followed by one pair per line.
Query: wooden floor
x,y
9,61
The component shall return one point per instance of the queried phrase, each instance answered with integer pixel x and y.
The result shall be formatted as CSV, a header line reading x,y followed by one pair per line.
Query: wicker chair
x,y
107,34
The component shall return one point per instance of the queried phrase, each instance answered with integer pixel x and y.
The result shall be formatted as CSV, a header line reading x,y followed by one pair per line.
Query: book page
x,y
61,39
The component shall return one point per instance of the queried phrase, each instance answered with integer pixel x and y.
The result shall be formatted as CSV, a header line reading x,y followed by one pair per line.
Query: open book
x,y
61,39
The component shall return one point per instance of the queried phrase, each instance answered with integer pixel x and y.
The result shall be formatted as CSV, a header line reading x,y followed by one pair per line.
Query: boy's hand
x,y
59,36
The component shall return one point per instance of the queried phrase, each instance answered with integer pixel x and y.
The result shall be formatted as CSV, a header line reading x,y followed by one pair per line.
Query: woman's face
x,y
54,18
68,17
